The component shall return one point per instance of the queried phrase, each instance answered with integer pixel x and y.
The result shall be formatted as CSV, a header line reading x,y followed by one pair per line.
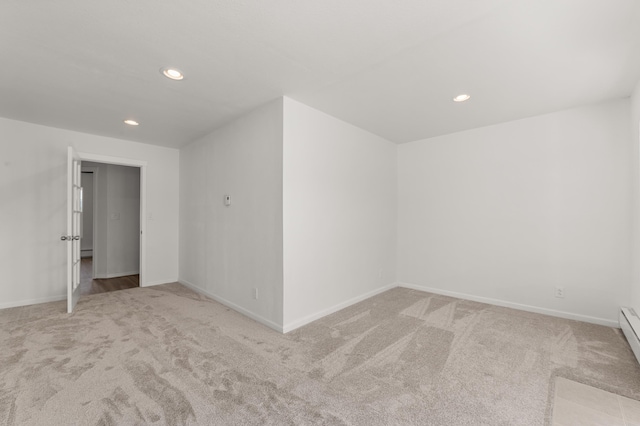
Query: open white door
x,y
74,212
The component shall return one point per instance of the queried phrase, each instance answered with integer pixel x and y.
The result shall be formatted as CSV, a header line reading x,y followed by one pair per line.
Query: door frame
x,y
142,165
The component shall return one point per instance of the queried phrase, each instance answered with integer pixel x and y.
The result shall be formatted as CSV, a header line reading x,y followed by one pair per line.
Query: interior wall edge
x,y
513,305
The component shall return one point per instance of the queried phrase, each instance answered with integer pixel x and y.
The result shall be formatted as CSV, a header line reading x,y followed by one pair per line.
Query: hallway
x,y
89,286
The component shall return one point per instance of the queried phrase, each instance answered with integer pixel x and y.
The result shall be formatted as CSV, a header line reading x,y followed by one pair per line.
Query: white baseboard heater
x,y
630,325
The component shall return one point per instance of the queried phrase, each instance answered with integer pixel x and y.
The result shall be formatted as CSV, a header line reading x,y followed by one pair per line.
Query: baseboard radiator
x,y
630,325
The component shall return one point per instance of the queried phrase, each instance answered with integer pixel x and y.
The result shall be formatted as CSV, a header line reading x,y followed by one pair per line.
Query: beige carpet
x,y
166,355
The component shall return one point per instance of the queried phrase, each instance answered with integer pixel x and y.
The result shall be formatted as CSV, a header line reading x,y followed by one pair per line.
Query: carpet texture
x,y
167,355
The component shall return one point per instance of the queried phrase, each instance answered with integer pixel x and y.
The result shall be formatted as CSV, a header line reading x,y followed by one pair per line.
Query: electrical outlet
x,y
255,293
560,291
380,274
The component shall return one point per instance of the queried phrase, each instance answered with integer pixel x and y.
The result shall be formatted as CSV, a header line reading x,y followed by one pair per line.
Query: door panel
x,y
74,213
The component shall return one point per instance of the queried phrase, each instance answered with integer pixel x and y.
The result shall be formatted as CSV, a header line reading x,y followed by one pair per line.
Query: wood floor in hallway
x,y
93,286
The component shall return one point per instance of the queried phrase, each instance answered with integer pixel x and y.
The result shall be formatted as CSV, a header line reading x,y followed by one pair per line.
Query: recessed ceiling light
x,y
172,73
461,98
131,122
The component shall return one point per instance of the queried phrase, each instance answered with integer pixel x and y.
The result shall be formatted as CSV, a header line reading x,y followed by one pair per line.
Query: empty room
x,y
344,213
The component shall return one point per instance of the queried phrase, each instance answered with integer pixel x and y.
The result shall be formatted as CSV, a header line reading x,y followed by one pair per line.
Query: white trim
x,y
518,306
292,325
233,306
26,302
142,262
107,159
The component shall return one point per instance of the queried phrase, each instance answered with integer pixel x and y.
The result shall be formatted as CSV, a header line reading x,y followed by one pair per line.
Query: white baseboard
x,y
292,325
26,302
519,306
233,306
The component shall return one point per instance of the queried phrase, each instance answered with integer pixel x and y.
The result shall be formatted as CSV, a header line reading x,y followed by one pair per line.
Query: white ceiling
x,y
388,66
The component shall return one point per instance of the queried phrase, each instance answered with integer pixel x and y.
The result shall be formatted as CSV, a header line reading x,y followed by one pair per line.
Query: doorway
x,y
110,228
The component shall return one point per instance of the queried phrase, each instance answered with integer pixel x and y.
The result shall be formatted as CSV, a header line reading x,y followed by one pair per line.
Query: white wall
x,y
86,243
339,214
32,213
338,210
226,252
635,165
503,213
509,212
